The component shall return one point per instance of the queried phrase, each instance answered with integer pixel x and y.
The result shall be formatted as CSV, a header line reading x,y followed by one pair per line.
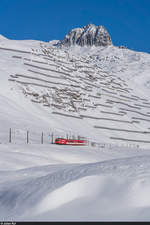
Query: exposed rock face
x,y
88,35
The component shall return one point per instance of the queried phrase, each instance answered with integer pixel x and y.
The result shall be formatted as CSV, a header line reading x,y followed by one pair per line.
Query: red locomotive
x,y
63,141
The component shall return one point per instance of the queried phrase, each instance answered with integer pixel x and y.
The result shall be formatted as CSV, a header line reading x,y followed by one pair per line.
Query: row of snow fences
x,y
17,136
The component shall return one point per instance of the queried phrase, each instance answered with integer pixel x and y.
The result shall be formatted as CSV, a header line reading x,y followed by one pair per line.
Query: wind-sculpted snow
x,y
30,193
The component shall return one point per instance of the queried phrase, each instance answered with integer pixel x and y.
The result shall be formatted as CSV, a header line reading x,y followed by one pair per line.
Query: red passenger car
x,y
63,141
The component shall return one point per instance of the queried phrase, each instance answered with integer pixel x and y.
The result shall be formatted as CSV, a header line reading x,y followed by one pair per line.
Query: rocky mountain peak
x,y
88,35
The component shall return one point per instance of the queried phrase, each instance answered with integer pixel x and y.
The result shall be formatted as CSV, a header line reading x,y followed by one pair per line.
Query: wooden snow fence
x,y
130,140
67,115
122,130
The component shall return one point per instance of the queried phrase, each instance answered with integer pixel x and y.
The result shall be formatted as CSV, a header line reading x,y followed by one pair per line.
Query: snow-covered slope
x,y
55,183
101,93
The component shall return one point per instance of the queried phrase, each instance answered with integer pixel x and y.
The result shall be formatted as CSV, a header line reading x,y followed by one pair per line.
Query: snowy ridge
x,y
2,37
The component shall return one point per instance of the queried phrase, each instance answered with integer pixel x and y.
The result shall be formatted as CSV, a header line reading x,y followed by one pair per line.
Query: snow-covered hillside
x,y
101,93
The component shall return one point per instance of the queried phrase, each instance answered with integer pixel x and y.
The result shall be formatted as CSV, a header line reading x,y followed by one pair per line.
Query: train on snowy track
x,y
63,141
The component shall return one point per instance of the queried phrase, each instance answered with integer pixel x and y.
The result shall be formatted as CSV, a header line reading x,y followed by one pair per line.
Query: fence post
x,y
42,138
27,136
52,138
10,135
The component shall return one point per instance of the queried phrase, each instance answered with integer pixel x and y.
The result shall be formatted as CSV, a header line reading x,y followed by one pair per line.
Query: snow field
x,y
59,183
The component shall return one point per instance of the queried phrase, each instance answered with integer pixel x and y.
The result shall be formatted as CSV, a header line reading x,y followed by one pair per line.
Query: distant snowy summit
x,y
88,35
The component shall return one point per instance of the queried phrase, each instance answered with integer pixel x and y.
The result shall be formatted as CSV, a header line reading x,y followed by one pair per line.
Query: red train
x,y
63,141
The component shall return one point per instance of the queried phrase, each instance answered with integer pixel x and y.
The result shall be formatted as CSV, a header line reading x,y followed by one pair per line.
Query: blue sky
x,y
127,21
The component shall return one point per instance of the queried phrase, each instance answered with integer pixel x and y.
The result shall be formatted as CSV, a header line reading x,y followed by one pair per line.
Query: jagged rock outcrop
x,y
88,35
